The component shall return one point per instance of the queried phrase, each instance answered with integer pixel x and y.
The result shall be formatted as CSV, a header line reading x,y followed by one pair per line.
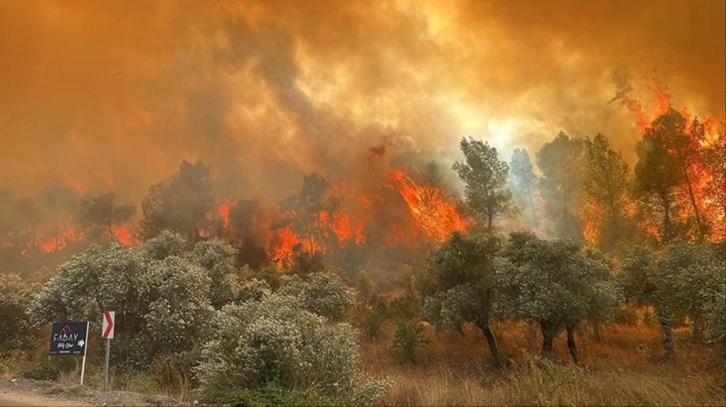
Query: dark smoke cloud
x,y
266,90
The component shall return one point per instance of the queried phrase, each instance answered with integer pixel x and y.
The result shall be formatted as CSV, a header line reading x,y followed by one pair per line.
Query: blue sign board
x,y
68,338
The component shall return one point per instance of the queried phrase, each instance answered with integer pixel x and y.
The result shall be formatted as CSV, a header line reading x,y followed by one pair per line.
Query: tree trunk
x,y
665,325
696,212
571,343
548,335
491,342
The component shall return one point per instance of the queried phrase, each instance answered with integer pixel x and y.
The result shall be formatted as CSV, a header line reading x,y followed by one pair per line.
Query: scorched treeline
x,y
581,189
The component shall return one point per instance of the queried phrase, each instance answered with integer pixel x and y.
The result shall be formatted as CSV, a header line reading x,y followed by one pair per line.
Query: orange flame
x,y
60,241
223,211
436,217
122,235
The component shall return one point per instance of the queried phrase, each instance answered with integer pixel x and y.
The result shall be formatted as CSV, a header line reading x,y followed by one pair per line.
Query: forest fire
x,y
425,212
60,241
223,211
122,235
435,217
375,106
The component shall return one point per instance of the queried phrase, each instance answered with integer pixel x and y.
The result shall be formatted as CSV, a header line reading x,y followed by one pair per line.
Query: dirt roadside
x,y
15,399
26,392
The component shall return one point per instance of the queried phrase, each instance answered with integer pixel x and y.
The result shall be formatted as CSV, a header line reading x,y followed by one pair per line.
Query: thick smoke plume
x,y
112,95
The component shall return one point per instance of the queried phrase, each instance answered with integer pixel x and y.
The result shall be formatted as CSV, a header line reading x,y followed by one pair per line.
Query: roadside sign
x,y
109,318
69,338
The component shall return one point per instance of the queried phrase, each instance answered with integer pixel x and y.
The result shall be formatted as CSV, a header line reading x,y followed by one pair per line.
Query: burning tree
x,y
303,211
669,175
102,215
606,187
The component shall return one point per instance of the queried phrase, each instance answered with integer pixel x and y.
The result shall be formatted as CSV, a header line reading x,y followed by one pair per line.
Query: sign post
x,y
69,339
109,318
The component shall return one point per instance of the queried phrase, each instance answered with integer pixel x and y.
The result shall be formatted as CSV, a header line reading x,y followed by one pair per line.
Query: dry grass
x,y
623,368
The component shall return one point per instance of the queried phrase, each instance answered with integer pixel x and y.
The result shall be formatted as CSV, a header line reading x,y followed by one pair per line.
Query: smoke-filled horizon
x,y
114,95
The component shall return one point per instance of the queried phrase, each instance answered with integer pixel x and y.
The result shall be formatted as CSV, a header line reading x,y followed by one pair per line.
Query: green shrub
x,y
407,339
322,293
277,342
45,370
404,307
15,299
372,321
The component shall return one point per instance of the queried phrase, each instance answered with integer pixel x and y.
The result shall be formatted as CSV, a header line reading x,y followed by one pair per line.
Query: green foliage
x,y
682,280
179,205
461,279
406,306
179,305
606,185
561,162
554,283
524,185
45,370
407,339
716,318
276,341
218,259
162,295
322,293
15,298
461,285
485,177
100,214
372,321
664,154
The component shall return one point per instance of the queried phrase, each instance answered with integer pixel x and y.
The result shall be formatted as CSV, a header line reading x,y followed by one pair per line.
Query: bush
x,y
372,321
407,339
404,307
14,301
274,340
277,342
45,370
322,293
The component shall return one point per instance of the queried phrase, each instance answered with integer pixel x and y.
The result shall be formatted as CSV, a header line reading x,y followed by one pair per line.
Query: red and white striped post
x,y
107,334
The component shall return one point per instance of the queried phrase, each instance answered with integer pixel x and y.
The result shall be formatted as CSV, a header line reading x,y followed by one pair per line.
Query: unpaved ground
x,y
26,392
14,399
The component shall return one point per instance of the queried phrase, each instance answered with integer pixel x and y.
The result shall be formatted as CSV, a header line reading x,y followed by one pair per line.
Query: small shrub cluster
x,y
275,341
407,339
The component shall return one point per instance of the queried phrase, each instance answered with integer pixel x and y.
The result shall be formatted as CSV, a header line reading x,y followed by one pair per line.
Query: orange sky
x,y
116,93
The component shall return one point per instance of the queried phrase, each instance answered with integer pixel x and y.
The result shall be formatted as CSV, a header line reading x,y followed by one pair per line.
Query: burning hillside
x,y
365,104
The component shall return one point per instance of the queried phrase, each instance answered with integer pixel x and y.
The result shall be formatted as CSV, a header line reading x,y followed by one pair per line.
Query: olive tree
x,y
163,295
461,284
14,300
681,280
555,284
